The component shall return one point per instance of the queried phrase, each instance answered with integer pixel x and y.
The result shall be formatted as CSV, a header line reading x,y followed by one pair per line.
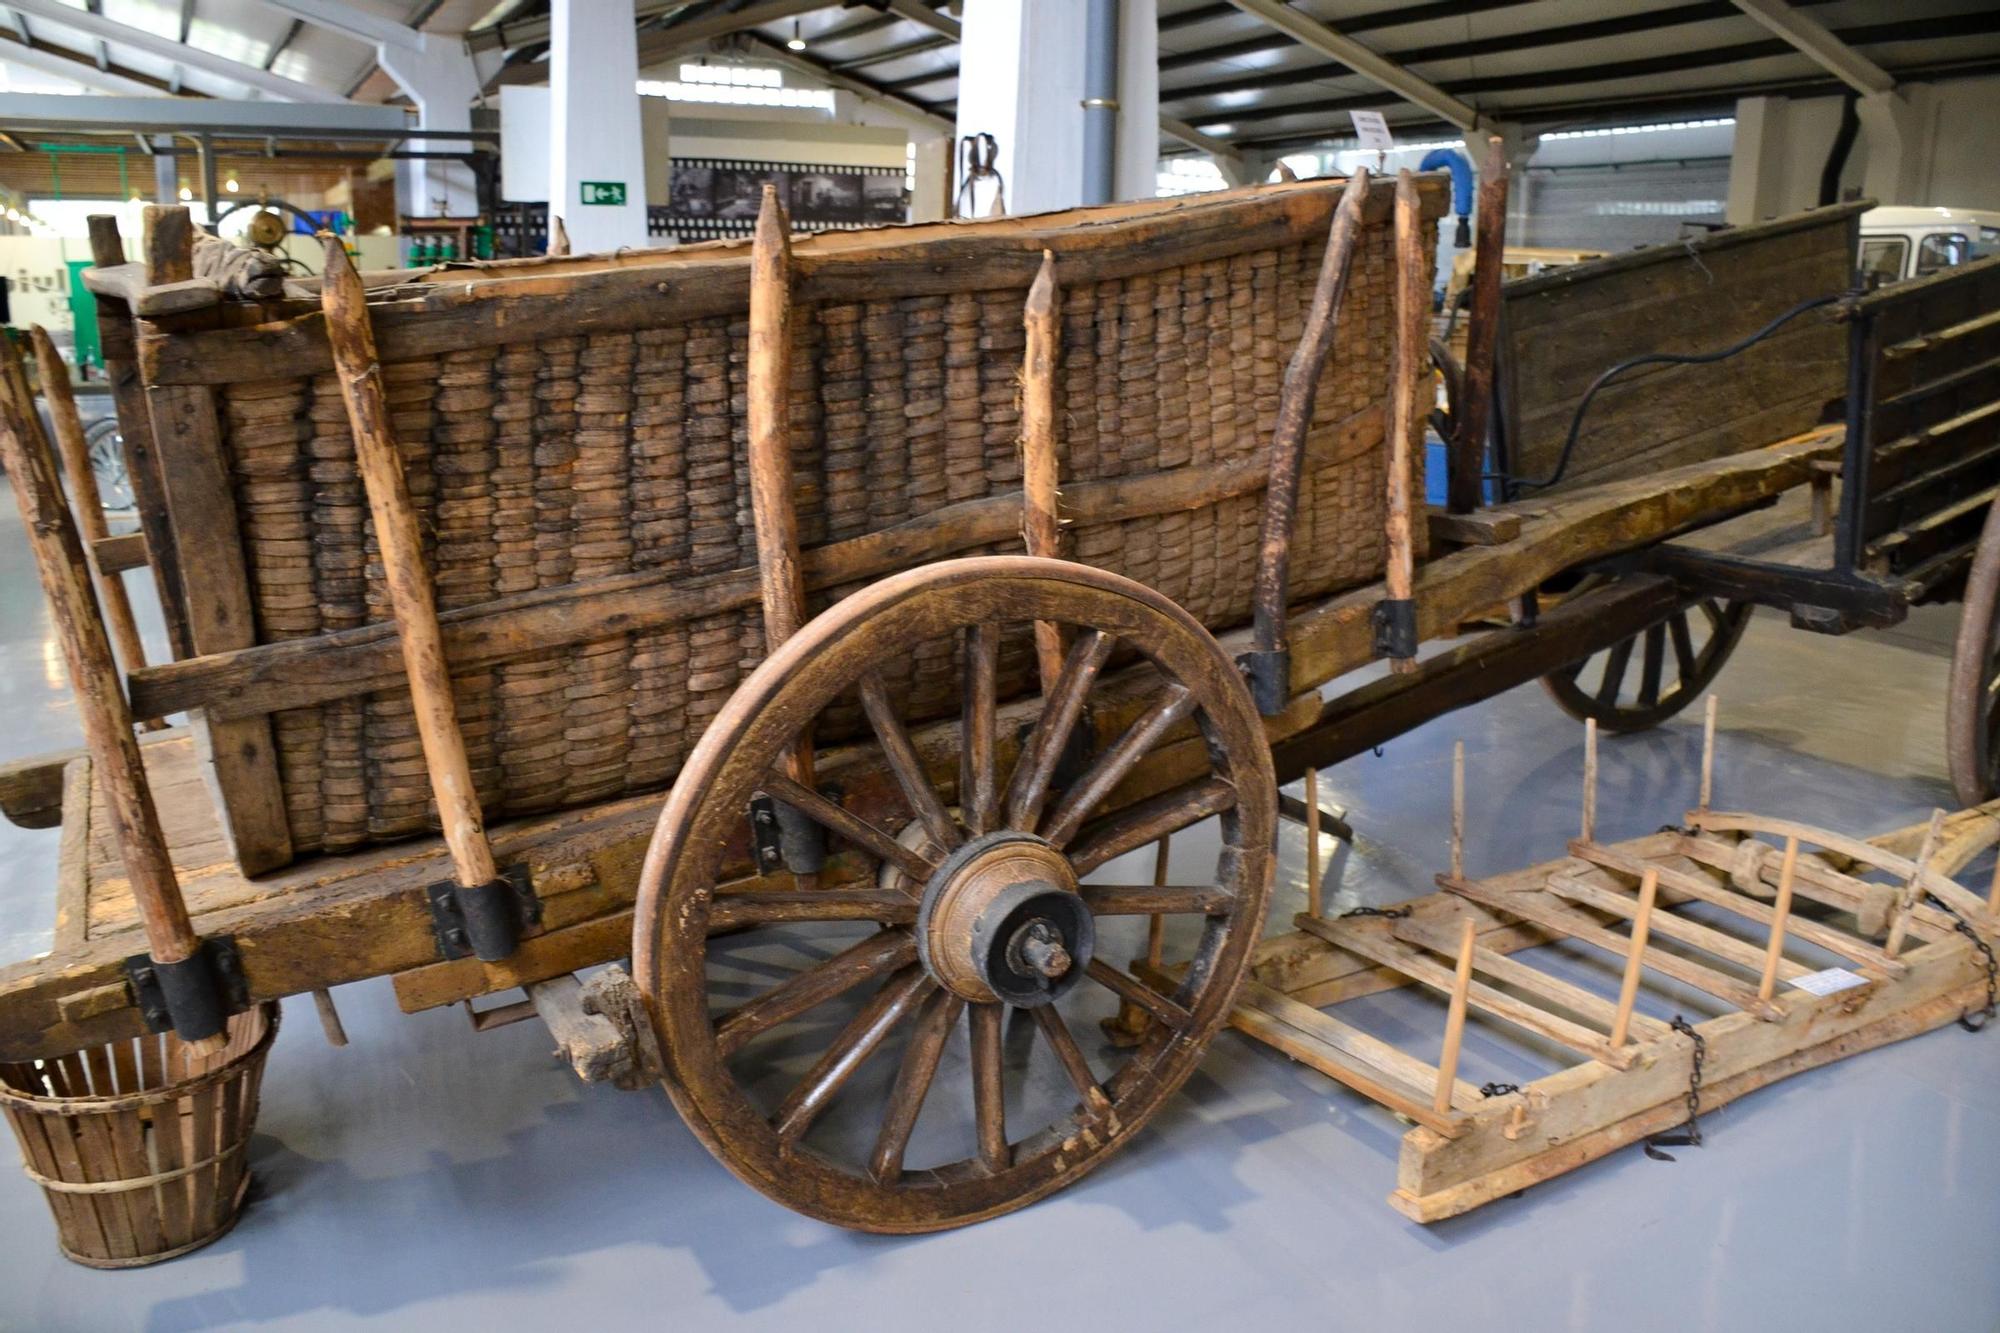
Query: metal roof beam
x,y
85,72
345,19
1815,41
1311,32
706,27
139,39
278,47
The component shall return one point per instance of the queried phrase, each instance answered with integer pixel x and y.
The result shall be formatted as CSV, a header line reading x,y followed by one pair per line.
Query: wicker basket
x,y
139,1146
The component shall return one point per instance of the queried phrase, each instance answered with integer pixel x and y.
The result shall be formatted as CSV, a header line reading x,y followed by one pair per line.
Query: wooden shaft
x,y
1707,753
773,509
1482,335
1312,842
1590,779
1041,462
409,581
1409,373
1295,410
1454,1023
89,505
1913,892
107,722
1156,926
1458,810
1774,952
1635,958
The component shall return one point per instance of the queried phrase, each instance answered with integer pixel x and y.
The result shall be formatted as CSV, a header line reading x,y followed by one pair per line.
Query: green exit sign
x,y
603,192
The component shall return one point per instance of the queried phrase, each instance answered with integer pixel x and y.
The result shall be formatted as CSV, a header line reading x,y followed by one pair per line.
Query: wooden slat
x,y
1943,887
1520,975
1706,938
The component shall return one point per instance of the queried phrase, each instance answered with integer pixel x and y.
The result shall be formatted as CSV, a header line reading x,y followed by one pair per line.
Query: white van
x,y
1899,242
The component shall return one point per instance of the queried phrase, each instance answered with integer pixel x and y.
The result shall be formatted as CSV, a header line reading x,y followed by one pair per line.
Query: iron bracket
x,y
486,920
1395,621
194,997
1269,673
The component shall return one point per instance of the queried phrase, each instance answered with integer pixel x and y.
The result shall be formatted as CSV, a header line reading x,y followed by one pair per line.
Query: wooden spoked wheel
x,y
1646,679
780,1037
1971,717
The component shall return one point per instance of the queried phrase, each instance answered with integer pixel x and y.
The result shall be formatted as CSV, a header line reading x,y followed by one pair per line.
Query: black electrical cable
x,y
1514,484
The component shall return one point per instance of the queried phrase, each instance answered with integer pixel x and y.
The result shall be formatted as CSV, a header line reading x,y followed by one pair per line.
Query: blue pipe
x,y
1461,188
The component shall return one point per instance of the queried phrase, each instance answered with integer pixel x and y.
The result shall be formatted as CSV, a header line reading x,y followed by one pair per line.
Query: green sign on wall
x,y
603,192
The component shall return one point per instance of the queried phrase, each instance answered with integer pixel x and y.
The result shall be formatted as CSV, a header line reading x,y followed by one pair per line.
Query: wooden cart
x,y
463,568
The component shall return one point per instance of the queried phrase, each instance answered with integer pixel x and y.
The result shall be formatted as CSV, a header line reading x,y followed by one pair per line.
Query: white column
x,y
437,74
1026,90
1755,157
1896,142
594,135
1138,99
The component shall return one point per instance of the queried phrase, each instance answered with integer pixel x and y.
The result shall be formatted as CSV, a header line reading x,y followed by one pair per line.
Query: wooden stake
x,y
1913,893
1041,464
1590,779
1458,810
1774,952
781,577
169,241
1409,374
1707,753
1454,1023
1312,842
88,504
380,461
1156,925
1635,957
107,722
559,235
1482,332
329,1018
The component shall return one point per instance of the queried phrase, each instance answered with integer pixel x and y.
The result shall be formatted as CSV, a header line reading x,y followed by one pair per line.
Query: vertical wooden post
x,y
1312,842
414,603
213,581
135,427
1635,957
101,707
89,505
1156,925
1482,335
1458,810
1269,661
1454,1023
558,245
1409,373
1781,912
1913,891
1590,779
1993,891
1041,466
1707,753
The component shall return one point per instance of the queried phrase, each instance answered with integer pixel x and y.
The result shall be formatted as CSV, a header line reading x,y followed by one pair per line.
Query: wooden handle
x,y
1482,335
1041,463
359,371
107,721
1408,376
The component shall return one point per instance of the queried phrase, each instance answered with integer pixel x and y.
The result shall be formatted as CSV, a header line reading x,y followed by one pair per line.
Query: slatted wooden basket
x,y
139,1145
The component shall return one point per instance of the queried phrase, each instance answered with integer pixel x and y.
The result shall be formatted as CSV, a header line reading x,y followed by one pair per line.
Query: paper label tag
x,y
1829,981
1373,131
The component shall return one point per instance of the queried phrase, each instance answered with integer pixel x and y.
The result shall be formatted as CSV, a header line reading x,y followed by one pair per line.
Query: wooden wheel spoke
x,y
1652,665
856,1042
847,825
759,907
979,762
884,951
905,764
1172,705
989,1086
1614,674
1128,987
1149,820
1061,708
1056,1033
1684,659
1156,899
1711,611
934,1022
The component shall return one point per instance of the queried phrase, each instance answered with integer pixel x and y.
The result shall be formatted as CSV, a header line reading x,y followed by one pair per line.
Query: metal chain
x,y
1690,1132
1498,1089
1972,1020
1393,913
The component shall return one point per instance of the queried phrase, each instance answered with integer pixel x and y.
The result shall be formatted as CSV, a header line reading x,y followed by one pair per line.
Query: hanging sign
x,y
1373,131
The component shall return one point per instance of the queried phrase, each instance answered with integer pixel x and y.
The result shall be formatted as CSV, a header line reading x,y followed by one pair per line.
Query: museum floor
x,y
427,1177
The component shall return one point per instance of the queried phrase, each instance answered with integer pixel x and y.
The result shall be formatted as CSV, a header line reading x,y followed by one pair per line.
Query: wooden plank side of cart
x,y
338,919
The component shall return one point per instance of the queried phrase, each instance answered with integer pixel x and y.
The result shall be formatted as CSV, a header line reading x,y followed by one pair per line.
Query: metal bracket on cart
x,y
193,997
1395,620
1826,601
474,922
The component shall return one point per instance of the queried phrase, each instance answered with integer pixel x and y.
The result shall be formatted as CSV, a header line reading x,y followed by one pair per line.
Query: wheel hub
x,y
1001,921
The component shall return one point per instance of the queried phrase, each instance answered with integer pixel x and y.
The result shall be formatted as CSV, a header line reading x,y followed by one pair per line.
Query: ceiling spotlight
x,y
1217,129
797,43
230,185
186,194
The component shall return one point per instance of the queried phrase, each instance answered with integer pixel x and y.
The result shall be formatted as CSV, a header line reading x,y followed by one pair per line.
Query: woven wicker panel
x,y
568,460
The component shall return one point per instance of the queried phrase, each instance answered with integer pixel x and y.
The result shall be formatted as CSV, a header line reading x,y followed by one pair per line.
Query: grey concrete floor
x,y
429,1178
